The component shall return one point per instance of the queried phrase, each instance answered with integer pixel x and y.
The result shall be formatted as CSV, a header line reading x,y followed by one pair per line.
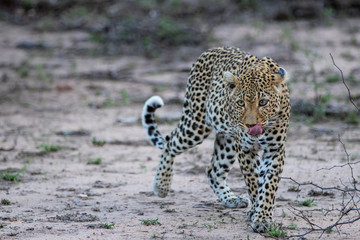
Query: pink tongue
x,y
255,130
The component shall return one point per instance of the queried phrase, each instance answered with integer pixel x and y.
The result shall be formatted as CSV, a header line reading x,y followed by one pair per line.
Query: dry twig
x,y
350,193
343,80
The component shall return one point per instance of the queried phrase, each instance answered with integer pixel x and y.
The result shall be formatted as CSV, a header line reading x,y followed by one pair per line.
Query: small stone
x,y
83,196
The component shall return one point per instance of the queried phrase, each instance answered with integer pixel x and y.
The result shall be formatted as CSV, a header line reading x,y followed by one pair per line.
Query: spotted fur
x,y
230,91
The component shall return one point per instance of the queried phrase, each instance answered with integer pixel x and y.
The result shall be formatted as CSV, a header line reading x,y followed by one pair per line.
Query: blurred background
x,y
57,40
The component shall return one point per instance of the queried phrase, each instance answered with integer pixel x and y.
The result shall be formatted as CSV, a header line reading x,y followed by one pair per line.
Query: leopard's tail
x,y
149,121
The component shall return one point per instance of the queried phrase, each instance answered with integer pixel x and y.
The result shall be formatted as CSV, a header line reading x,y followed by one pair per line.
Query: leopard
x,y
244,101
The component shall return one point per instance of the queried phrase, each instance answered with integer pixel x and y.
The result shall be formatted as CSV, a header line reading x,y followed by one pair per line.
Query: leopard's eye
x,y
263,102
241,103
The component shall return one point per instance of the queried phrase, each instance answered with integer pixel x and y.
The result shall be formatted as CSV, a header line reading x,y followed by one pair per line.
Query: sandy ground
x,y
48,93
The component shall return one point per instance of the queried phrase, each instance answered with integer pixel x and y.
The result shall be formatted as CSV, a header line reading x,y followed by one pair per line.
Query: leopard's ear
x,y
231,81
278,77
230,78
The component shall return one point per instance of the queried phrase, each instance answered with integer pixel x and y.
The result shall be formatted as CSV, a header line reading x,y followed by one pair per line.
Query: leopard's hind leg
x,y
190,132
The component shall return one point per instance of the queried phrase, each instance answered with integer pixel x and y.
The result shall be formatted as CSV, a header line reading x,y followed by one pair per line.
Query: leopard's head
x,y
255,94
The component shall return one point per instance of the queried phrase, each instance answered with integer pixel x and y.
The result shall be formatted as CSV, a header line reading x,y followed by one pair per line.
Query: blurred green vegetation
x,y
147,26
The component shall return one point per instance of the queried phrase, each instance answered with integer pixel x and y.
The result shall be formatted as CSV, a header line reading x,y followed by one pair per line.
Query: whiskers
x,y
274,122
237,125
269,127
266,125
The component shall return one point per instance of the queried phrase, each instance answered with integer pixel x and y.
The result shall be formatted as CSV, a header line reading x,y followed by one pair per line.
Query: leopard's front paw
x,y
260,224
236,202
161,188
160,191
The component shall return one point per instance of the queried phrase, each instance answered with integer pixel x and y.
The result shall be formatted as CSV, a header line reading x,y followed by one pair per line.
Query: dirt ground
x,y
57,109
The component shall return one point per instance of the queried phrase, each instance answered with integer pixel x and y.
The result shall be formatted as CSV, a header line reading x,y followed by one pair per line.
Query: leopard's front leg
x,y
268,181
249,161
223,158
